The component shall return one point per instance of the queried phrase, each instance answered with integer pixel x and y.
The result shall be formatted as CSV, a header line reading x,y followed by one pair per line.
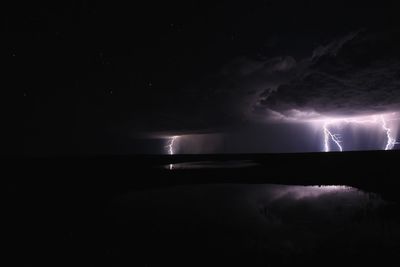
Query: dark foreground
x,y
210,210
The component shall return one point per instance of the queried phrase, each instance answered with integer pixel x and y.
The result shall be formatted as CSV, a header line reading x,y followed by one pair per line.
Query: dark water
x,y
211,165
252,225
209,210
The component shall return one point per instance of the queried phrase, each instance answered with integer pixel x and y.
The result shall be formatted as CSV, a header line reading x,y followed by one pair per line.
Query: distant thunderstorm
x,y
374,120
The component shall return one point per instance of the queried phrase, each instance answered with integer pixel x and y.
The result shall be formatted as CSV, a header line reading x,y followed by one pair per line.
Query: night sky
x,y
94,77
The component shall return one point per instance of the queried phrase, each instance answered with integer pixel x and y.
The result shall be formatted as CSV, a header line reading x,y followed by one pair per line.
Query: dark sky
x,y
100,77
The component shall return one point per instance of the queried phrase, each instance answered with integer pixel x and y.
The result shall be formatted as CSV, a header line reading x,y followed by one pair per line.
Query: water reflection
x,y
299,192
211,165
247,201
263,223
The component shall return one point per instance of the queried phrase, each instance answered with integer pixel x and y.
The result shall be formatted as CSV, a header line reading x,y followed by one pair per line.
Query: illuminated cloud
x,y
354,75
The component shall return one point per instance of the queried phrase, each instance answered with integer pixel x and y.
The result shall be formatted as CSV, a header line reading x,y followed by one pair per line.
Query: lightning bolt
x,y
326,125
170,148
390,140
328,135
170,145
334,137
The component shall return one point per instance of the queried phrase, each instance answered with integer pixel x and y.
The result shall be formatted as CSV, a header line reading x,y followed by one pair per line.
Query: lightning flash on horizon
x,y
335,138
337,133
390,140
171,148
376,120
170,145
335,130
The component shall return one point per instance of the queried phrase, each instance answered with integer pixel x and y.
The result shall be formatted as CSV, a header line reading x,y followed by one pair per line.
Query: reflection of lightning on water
x,y
171,149
328,135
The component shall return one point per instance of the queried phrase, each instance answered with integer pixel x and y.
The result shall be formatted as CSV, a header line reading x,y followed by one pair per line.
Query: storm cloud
x,y
356,74
224,99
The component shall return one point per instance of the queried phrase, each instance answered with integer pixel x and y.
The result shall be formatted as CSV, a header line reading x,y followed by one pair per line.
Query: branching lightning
x,y
334,137
381,120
